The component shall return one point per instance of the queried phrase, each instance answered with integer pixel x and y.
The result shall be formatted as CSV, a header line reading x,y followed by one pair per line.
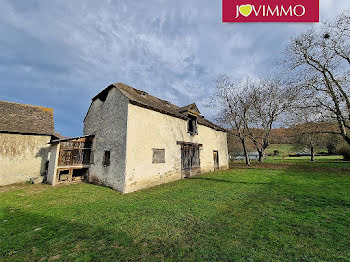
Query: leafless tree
x,y
337,32
306,135
309,132
234,107
319,60
250,108
269,99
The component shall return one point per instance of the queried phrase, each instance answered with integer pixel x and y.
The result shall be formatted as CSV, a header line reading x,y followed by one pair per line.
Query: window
x,y
158,156
92,157
107,158
192,125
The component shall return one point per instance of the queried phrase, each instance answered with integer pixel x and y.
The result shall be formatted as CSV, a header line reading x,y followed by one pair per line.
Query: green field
x,y
285,149
304,160
279,211
287,159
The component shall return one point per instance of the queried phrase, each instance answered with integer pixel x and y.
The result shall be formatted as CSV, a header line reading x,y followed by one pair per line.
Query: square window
x,y
158,156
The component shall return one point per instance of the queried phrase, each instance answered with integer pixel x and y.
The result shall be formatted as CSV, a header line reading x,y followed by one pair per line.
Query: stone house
x,y
25,132
139,140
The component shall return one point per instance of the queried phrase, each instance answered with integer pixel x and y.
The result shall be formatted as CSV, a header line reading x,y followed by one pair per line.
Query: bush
x,y
276,153
332,148
345,152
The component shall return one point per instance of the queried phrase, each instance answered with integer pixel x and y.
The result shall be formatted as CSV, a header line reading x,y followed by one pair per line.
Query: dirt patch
x,y
24,186
55,257
13,187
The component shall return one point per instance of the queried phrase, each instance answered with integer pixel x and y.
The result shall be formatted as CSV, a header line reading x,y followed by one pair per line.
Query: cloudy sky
x,y
61,53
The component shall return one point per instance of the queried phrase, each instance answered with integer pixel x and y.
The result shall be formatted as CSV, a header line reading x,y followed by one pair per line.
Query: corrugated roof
x,y
143,99
26,119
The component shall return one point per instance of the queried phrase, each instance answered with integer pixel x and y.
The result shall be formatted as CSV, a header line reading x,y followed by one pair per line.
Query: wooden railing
x,y
73,153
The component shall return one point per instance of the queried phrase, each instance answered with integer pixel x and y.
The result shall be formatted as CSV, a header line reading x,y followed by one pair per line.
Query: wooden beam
x,y
188,143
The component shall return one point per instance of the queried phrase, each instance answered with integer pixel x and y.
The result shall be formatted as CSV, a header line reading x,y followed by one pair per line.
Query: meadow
x,y
283,210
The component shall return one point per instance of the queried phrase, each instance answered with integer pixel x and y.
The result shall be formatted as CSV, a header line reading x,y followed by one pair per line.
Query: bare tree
x,y
234,107
319,60
306,135
250,108
269,99
336,31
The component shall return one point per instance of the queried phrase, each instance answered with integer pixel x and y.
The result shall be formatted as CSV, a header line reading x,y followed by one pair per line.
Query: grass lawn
x,y
274,159
286,149
275,212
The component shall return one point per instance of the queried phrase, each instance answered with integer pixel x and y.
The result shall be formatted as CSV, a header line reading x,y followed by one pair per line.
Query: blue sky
x,y
61,53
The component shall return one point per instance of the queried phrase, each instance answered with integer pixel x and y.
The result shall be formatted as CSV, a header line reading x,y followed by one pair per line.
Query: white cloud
x,y
173,49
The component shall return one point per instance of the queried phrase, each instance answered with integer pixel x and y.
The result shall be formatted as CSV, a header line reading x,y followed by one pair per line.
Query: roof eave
x,y
217,128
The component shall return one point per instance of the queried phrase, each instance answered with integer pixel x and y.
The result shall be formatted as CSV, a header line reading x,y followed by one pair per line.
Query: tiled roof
x,y
192,107
26,119
143,99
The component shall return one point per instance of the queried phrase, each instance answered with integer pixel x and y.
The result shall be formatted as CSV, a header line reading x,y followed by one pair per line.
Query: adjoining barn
x,y
139,141
25,132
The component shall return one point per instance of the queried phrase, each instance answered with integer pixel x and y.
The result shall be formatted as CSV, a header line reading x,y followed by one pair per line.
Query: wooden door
x,y
216,160
186,160
190,161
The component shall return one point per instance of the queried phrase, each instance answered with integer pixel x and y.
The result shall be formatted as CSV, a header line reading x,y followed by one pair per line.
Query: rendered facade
x,y
25,132
140,141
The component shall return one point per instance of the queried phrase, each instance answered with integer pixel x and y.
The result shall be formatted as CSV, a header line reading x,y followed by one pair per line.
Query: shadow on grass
x,y
228,181
31,237
232,222
329,167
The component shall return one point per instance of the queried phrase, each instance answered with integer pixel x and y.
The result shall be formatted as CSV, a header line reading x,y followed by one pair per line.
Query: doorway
x,y
216,159
190,160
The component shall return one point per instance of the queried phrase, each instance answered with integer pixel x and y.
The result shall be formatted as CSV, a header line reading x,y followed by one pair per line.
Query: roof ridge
x,y
25,104
141,91
157,104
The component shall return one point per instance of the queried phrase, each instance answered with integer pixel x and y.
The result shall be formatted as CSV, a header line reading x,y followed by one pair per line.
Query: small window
x,y
92,158
192,125
158,156
107,158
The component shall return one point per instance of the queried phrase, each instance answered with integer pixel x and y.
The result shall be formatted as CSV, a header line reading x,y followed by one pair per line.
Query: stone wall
x,y
22,157
148,129
107,120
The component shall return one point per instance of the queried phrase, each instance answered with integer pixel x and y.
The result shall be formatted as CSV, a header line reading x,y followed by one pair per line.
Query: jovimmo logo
x,y
270,11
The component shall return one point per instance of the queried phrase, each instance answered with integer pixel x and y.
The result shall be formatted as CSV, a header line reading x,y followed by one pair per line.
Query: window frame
x,y
154,160
217,158
106,161
92,157
192,119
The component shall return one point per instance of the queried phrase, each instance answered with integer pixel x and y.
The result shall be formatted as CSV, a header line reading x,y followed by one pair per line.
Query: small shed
x,y
70,159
